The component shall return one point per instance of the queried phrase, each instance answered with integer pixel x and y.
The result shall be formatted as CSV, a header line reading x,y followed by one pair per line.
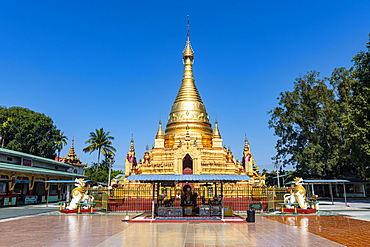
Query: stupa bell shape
x,y
188,110
188,144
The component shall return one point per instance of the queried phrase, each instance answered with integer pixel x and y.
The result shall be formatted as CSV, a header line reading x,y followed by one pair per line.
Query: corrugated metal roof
x,y
37,170
34,157
60,181
325,181
188,178
65,181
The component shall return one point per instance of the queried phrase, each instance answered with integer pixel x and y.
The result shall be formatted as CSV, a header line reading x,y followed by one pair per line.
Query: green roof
x,y
120,177
34,157
37,170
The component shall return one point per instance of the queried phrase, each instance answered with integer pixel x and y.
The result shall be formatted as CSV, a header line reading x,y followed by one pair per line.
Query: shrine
x,y
73,160
188,156
189,144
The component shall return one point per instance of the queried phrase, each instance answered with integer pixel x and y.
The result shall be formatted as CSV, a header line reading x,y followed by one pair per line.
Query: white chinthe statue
x,y
78,194
298,195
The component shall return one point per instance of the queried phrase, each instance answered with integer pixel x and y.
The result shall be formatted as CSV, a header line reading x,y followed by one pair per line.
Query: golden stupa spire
x,y
159,132
72,152
188,90
216,132
188,108
72,158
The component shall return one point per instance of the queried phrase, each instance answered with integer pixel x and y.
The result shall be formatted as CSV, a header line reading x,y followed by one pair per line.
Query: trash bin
x,y
251,215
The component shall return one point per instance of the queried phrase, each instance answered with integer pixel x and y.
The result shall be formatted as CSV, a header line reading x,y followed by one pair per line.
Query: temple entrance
x,y
187,165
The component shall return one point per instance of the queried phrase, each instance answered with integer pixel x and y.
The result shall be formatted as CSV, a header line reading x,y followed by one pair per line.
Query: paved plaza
x,y
38,225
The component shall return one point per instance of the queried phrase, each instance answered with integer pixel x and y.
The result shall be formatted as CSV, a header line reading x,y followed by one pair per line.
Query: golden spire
x,y
72,152
188,90
188,108
72,158
188,51
159,132
216,132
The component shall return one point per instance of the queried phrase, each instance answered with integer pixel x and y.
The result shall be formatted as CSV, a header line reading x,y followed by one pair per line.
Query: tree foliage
x,y
323,125
100,141
306,123
27,131
61,140
99,172
360,111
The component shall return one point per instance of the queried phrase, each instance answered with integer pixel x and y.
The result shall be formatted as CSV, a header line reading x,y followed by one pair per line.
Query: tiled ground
x,y
109,230
341,229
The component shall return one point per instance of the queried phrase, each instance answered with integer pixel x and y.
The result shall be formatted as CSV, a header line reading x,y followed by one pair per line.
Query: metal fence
x,y
139,199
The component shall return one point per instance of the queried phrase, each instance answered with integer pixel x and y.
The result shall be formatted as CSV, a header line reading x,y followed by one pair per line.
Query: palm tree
x,y
100,141
61,140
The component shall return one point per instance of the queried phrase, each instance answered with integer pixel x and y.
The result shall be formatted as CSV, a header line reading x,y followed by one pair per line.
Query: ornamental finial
x,y
188,28
188,51
188,108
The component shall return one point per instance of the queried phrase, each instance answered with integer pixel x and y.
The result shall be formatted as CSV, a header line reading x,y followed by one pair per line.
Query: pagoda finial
x,y
188,28
72,152
72,158
132,146
188,51
216,132
246,142
188,108
159,132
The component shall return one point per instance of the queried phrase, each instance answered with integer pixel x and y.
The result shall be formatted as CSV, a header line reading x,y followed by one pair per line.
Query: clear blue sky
x,y
117,64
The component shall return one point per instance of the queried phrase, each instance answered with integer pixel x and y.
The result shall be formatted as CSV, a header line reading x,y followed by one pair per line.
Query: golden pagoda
x,y
189,144
73,160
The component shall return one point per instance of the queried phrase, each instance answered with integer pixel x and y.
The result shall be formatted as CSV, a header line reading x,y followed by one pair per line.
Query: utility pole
x,y
110,164
277,173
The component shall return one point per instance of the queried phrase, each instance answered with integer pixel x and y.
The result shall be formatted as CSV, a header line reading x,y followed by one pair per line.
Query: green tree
x,y
99,172
306,123
100,141
28,131
326,131
342,82
61,140
360,112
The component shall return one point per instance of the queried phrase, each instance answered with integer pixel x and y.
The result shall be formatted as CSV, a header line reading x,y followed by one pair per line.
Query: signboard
x,y
26,162
256,206
167,184
31,199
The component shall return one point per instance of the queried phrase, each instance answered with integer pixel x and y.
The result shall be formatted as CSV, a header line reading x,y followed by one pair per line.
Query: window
x,y
9,158
20,188
2,187
53,189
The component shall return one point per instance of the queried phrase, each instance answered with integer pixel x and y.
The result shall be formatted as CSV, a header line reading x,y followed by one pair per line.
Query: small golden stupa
x,y
73,160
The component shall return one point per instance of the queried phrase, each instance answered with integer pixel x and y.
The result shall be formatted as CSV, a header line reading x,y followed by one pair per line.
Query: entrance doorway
x,y
187,165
